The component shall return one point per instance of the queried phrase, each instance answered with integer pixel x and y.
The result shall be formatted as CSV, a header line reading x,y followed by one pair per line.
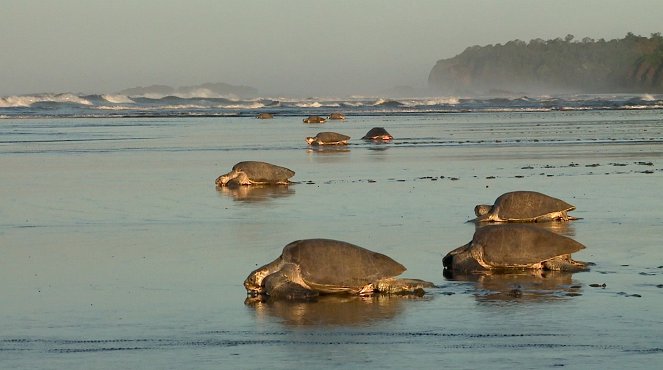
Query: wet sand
x,y
118,251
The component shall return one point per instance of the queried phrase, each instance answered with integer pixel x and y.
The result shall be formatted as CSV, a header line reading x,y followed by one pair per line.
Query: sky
x,y
282,48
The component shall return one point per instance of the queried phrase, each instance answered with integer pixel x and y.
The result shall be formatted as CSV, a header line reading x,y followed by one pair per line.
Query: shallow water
x,y
118,251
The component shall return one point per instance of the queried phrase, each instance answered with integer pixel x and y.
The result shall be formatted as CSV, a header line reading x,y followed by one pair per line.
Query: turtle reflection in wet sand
x,y
523,285
256,173
335,309
308,268
524,206
377,134
328,138
255,193
515,247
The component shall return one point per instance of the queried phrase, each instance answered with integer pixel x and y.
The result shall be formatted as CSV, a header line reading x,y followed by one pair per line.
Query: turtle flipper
x,y
403,286
565,263
279,286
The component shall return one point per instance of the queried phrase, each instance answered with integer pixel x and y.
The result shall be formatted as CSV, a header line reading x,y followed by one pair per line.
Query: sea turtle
x,y
337,116
524,206
515,246
377,134
254,172
314,119
265,116
328,138
310,267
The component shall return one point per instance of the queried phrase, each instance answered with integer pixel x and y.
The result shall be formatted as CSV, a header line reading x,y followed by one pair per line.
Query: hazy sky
x,y
321,48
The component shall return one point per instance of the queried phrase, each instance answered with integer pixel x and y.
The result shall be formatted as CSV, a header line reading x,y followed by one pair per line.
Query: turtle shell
x,y
374,132
263,171
520,245
528,205
331,137
314,119
326,263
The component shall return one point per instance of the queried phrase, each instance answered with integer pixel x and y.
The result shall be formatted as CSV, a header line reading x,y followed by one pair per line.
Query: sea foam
x,y
117,99
28,100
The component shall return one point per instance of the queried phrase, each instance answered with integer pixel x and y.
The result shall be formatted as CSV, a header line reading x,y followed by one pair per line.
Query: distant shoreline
x,y
628,65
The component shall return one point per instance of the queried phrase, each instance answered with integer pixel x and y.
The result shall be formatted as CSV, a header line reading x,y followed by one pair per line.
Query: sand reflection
x,y
333,310
256,193
520,286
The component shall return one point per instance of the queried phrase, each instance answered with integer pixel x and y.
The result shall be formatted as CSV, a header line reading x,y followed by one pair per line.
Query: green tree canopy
x,y
631,64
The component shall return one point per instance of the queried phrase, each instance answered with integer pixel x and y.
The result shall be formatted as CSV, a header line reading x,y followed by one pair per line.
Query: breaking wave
x,y
29,100
205,103
117,99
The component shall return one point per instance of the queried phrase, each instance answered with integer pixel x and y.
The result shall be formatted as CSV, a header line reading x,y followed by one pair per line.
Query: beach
x,y
118,251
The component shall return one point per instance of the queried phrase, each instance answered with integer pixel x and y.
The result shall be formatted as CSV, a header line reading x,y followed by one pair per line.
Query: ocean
x,y
49,105
118,251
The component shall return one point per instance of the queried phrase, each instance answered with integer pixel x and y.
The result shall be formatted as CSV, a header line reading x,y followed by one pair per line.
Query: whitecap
x,y
119,107
308,105
431,101
66,98
254,105
387,103
16,101
28,100
352,104
380,101
442,101
117,99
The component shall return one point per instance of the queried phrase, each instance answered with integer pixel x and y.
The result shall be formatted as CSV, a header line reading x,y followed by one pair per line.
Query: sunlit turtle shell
x,y
254,172
310,267
314,119
378,134
515,246
337,116
328,138
524,206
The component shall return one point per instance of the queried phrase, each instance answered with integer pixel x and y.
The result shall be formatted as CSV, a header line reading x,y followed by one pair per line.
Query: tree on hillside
x,y
634,63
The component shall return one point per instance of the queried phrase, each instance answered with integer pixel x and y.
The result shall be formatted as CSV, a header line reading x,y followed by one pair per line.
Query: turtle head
x,y
224,179
448,260
310,140
463,258
253,282
482,209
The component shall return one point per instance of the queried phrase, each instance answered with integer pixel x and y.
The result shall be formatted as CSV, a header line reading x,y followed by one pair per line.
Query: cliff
x,y
631,64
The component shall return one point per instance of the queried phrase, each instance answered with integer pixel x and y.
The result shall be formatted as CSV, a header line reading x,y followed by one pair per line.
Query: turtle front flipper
x,y
566,217
282,285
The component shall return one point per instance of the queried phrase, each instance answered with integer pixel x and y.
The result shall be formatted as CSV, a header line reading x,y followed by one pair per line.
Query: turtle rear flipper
x,y
403,286
565,263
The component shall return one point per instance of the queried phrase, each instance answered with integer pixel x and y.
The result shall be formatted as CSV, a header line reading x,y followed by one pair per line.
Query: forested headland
x,y
631,64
